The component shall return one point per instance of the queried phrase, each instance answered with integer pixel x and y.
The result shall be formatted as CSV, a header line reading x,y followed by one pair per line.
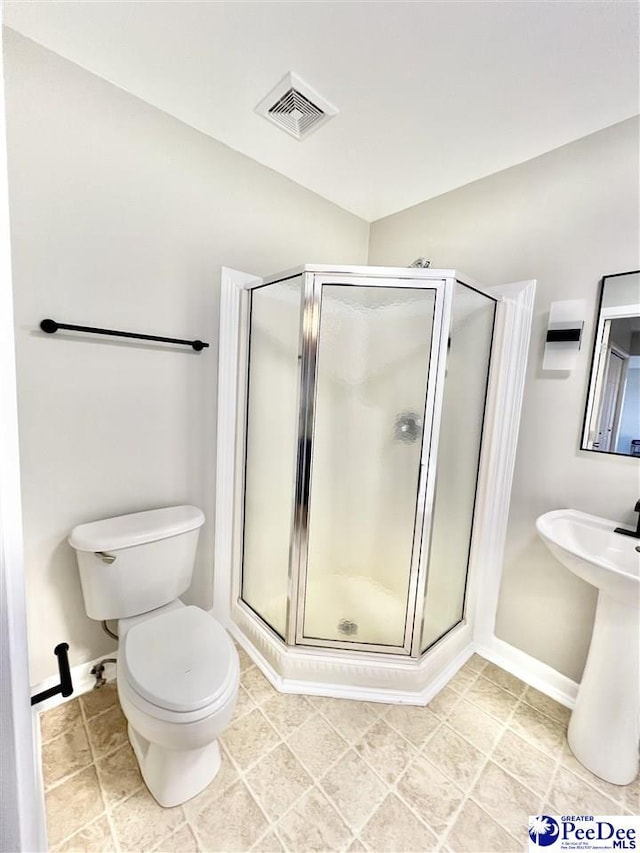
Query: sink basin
x,y
588,546
604,729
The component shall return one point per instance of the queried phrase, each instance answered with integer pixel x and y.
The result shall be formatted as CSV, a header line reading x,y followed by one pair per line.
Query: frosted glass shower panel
x,y
272,405
465,388
373,358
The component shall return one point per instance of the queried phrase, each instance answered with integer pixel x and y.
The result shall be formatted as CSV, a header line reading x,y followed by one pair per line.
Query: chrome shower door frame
x,y
309,340
243,355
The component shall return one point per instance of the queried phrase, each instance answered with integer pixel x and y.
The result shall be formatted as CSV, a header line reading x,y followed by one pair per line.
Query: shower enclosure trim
x,y
309,345
288,666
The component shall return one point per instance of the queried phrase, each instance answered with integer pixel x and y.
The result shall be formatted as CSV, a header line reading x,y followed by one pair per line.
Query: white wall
x,y
21,815
566,218
122,217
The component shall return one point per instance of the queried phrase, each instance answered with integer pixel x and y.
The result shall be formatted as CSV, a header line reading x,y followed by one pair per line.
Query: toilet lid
x,y
182,660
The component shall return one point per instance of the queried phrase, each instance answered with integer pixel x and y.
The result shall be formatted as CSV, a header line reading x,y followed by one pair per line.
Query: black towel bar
x,y
50,326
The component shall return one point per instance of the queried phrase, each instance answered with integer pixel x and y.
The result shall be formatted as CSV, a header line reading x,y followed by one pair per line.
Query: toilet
x,y
178,669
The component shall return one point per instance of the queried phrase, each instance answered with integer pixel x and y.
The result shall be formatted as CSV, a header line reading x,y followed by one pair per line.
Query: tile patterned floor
x,y
308,773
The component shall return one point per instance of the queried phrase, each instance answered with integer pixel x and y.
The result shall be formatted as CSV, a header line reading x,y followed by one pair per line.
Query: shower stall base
x,y
343,674
367,424
361,600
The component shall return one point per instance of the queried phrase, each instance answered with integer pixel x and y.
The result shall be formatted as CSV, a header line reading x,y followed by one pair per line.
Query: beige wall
x,y
566,218
121,217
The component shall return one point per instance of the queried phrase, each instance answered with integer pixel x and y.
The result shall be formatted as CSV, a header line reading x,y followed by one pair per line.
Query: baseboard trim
x,y
373,694
544,678
337,690
82,680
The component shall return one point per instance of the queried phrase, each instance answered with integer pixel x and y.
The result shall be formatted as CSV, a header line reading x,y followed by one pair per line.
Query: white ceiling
x,y
432,95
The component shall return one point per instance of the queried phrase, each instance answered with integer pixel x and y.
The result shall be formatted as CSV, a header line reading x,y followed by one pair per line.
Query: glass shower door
x,y
270,460
458,460
375,361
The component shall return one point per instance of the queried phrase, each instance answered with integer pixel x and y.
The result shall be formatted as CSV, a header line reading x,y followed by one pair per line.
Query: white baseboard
x,y
82,681
525,667
372,694
544,678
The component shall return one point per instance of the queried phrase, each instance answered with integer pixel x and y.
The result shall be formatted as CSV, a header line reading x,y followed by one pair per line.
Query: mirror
x,y
612,418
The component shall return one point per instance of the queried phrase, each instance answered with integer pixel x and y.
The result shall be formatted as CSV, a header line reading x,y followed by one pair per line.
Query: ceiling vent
x,y
295,107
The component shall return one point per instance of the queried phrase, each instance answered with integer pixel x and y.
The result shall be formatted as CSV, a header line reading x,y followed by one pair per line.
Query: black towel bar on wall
x,y
50,326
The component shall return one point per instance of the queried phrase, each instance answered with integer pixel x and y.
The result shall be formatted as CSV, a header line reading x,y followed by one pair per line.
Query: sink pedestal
x,y
604,730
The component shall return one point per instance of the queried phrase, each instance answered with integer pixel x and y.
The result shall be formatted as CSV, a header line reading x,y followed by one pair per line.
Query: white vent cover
x,y
295,107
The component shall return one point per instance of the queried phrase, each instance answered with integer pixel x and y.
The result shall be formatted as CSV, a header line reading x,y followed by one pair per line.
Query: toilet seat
x,y
181,662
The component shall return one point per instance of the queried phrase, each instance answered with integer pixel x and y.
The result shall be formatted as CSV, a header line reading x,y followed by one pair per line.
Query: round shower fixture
x,y
408,427
350,566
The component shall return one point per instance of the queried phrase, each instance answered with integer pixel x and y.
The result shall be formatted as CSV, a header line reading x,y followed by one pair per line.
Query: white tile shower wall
x,y
121,217
566,218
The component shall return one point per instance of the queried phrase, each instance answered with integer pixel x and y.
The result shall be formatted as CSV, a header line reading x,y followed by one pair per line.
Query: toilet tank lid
x,y
138,528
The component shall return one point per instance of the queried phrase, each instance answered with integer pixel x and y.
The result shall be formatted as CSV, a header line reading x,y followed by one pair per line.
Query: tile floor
x,y
308,773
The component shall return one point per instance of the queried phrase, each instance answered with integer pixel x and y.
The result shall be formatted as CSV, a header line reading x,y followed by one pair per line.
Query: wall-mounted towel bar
x,y
50,326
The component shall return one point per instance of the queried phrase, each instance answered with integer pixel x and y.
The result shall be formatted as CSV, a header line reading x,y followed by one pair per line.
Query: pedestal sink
x,y
604,730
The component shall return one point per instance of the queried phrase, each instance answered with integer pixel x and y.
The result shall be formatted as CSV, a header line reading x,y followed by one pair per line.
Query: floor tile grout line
x,y
109,812
487,758
507,728
350,742
547,795
404,736
467,795
93,764
271,828
502,827
390,787
315,778
76,831
589,782
242,777
115,704
255,797
344,818
194,828
350,747
439,835
169,836
41,715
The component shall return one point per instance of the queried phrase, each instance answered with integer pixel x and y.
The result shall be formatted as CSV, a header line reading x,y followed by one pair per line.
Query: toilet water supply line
x,y
108,630
98,669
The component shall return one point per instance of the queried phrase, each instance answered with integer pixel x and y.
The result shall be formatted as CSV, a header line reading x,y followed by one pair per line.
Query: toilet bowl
x,y
178,676
178,669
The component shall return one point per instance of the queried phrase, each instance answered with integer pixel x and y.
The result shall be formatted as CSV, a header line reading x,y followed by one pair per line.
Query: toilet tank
x,y
138,562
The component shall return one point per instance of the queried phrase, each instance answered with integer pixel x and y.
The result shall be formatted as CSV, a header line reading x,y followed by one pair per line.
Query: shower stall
x,y
360,402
